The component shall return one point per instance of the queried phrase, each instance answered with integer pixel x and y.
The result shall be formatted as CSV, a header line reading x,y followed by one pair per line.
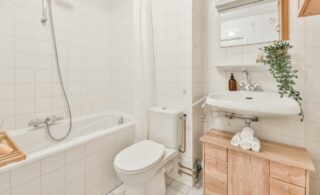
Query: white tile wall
x,y
31,187
95,48
92,37
4,182
179,65
52,163
73,172
304,36
173,46
172,25
197,76
25,173
53,181
122,55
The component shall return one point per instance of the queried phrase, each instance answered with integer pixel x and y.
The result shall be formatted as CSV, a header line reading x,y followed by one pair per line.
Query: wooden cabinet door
x,y
247,175
215,177
216,152
288,174
281,188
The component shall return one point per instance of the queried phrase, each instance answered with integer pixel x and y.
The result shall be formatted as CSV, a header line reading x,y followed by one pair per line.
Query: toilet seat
x,y
139,157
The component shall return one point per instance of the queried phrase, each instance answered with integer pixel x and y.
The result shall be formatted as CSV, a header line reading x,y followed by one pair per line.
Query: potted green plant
x,y
280,66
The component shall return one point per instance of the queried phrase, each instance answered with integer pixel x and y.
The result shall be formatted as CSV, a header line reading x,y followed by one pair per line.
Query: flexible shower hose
x,y
53,35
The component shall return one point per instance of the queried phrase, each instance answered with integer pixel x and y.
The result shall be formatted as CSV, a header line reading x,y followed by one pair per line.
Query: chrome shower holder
x,y
44,17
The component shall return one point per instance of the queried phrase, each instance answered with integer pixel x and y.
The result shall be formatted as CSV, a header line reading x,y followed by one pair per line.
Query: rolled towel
x,y
245,144
235,141
247,133
255,145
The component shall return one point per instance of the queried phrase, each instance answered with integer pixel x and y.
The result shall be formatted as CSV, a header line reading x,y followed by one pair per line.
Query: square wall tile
x,y
4,181
76,187
52,163
24,174
75,170
31,187
53,181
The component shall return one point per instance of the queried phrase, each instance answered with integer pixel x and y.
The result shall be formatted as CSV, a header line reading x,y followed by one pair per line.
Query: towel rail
x,y
199,101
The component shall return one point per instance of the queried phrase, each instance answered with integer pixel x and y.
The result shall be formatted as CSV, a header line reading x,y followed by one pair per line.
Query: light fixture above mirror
x,y
222,5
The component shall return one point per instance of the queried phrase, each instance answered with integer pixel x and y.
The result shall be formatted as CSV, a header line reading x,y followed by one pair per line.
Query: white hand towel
x,y
235,141
255,145
247,133
245,144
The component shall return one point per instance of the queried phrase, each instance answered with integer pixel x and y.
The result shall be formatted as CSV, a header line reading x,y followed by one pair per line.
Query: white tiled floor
x,y
173,188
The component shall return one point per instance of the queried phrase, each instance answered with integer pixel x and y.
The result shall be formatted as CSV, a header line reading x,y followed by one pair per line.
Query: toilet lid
x,y
139,156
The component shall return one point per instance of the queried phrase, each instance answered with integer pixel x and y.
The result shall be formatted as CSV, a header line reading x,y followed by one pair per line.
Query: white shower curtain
x,y
145,90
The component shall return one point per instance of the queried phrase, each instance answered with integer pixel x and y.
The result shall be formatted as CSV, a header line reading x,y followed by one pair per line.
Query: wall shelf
x,y
260,67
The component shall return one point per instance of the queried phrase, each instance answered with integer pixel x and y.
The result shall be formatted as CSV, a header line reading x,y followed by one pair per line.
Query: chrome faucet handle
x,y
35,122
53,119
242,86
249,86
57,118
245,70
121,120
254,86
245,87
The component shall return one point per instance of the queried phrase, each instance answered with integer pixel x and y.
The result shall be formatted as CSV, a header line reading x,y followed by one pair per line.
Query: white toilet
x,y
142,166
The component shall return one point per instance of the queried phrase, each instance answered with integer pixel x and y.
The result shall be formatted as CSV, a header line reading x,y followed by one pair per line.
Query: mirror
x,y
253,23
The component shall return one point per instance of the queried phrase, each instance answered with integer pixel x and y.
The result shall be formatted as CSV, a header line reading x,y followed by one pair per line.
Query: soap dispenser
x,y
232,83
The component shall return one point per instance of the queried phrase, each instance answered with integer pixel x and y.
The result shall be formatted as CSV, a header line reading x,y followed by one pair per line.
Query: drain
x,y
249,98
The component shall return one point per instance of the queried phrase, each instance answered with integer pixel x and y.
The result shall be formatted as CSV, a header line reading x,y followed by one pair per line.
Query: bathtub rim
x,y
18,132
44,153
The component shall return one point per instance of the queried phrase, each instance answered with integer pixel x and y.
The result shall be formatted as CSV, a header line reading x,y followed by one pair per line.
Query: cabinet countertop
x,y
281,153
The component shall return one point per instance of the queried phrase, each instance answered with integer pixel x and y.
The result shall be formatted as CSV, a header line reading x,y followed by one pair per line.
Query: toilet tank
x,y
165,126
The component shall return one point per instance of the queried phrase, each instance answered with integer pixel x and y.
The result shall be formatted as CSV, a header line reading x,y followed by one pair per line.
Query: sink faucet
x,y
249,86
51,120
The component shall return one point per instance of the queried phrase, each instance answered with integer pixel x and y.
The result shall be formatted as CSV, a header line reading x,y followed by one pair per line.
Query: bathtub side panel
x,y
84,169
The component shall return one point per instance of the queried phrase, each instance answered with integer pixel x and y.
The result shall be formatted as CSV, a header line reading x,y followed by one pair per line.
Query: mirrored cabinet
x,y
245,22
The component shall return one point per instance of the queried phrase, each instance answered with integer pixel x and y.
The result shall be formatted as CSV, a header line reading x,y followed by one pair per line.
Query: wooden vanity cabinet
x,y
247,174
278,169
216,176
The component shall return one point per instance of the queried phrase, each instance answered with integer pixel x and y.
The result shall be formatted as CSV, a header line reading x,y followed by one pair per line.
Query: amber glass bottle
x,y
232,83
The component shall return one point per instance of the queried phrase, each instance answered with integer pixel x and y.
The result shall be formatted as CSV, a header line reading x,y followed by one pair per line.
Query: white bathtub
x,y
81,164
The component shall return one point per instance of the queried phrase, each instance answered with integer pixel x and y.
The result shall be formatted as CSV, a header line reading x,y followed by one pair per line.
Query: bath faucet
x,y
249,86
51,120
36,122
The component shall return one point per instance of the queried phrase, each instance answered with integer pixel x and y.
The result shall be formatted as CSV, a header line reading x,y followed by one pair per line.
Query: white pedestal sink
x,y
260,104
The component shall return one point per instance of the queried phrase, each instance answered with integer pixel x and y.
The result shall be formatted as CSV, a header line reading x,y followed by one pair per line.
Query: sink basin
x,y
263,104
